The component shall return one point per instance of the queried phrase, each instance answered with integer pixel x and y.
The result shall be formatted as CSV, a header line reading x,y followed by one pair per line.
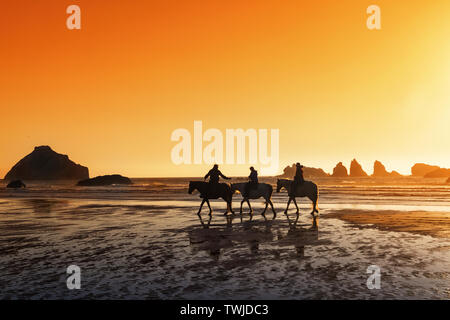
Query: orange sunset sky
x,y
110,95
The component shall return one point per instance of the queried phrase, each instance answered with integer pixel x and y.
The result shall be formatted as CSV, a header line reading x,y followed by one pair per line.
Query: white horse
x,y
264,190
307,189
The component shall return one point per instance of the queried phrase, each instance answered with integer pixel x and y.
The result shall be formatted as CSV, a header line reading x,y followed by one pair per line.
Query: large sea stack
x,y
45,164
356,170
340,171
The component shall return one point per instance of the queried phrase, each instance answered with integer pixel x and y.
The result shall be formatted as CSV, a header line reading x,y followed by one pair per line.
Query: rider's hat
x,y
299,165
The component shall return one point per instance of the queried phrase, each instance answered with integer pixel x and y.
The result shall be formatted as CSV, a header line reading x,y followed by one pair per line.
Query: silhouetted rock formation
x,y
340,171
356,169
45,164
289,172
428,171
438,173
16,184
379,170
421,169
105,181
395,174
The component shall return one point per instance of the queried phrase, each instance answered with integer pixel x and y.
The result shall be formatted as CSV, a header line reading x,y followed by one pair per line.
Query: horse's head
x,y
192,187
279,186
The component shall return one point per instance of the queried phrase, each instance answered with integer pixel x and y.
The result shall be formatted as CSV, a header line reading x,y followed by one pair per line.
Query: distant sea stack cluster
x,y
44,164
379,171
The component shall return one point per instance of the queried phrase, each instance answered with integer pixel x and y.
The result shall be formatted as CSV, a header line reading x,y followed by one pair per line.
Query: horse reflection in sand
x,y
299,237
274,235
218,237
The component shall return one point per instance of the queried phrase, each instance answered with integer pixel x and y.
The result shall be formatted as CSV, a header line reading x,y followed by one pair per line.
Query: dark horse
x,y
212,191
307,189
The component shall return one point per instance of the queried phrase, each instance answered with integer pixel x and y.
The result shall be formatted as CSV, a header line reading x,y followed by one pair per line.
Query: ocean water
x,y
146,241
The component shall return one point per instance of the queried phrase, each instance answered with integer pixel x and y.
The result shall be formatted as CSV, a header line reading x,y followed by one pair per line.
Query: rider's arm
x,y
221,174
207,175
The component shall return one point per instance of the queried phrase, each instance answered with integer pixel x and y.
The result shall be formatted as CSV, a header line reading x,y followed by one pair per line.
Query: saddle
x,y
296,187
215,190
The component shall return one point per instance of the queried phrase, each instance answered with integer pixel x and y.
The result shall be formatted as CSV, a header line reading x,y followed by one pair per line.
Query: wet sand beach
x,y
436,224
143,243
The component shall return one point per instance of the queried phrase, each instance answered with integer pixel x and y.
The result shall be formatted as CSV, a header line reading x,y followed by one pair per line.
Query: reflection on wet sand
x,y
46,206
299,237
155,250
276,234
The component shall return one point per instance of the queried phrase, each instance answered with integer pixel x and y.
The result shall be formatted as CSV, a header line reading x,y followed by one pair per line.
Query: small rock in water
x,y
105,181
16,184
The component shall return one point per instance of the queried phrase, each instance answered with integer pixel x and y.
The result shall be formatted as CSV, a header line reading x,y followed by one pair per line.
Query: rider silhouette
x,y
298,178
252,183
214,175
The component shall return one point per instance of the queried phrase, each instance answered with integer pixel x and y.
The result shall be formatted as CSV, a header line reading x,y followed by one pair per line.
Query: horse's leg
x,y
209,206
296,220
289,221
314,209
314,225
228,201
265,208
230,204
201,205
273,209
250,207
201,220
228,207
316,199
295,202
287,208
242,202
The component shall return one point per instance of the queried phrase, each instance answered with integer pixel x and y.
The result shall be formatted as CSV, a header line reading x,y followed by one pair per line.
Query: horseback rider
x,y
298,178
214,175
252,183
